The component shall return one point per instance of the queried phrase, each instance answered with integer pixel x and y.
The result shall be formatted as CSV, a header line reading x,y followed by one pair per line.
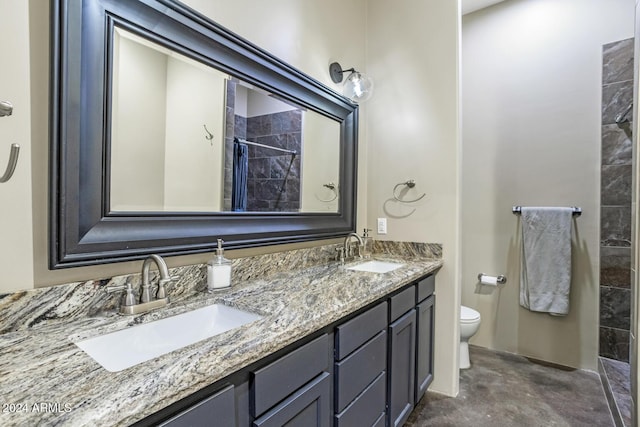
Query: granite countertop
x,y
45,379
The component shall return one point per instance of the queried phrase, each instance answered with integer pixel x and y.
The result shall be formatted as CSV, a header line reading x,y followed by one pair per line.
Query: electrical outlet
x,y
382,225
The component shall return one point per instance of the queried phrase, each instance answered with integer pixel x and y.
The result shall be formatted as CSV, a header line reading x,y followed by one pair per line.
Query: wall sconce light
x,y
357,87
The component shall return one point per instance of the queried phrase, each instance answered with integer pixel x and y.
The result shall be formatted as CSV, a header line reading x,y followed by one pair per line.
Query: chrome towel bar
x,y
517,210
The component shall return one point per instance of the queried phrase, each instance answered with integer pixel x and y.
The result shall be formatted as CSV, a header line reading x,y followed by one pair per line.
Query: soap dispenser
x,y
366,244
218,270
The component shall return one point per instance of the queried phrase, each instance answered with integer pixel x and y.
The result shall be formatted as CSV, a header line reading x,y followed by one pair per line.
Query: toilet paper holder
x,y
501,279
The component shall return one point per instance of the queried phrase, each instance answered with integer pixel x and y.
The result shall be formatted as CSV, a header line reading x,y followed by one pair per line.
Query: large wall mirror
x,y
169,131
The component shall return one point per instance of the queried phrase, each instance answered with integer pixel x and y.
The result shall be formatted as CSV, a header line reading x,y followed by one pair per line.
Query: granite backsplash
x,y
72,301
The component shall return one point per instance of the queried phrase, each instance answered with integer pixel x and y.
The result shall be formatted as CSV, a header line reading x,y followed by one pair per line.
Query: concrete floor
x,y
503,389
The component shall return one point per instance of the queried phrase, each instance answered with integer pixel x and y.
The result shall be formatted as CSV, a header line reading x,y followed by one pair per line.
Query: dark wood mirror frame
x,y
82,229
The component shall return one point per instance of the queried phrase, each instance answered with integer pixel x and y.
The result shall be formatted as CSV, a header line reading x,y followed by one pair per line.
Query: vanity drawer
x,y
367,408
354,373
307,407
357,331
279,379
219,408
426,288
402,302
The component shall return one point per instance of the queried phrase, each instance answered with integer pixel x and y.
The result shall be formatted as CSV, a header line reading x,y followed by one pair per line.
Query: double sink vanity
x,y
310,342
300,338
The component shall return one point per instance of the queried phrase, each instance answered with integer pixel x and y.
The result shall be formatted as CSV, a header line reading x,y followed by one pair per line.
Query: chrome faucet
x,y
164,278
347,246
147,302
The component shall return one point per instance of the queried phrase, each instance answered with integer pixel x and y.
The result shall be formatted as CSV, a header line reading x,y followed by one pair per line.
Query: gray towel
x,y
545,274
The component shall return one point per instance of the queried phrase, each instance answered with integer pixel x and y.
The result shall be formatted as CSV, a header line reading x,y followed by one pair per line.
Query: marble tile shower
x,y
615,202
273,181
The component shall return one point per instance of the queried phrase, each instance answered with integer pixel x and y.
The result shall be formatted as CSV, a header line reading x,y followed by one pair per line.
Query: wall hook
x,y
410,183
209,135
5,108
622,117
13,161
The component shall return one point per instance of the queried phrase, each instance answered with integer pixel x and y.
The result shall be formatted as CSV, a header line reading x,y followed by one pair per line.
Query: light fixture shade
x,y
358,87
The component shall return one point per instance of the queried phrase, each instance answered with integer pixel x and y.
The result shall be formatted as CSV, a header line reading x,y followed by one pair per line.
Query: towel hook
x,y
622,117
410,183
13,161
5,108
331,186
209,135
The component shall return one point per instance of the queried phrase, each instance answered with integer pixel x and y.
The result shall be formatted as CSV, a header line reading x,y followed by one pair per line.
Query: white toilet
x,y
469,324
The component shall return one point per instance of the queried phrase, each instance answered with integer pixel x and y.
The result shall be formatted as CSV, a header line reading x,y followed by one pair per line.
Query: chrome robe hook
x,y
13,161
5,108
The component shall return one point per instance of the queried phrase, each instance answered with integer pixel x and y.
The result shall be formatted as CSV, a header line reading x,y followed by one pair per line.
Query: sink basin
x,y
122,349
376,266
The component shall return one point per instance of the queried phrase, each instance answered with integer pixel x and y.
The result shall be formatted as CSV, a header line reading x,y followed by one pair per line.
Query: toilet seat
x,y
468,315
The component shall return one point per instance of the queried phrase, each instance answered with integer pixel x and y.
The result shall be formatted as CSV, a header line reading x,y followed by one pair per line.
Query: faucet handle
x,y
130,298
162,293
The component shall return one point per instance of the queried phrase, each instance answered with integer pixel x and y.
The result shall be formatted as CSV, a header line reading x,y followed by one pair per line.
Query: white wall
x,y
531,96
413,132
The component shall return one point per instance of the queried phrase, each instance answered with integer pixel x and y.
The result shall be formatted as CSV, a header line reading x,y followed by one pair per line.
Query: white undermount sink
x,y
122,349
376,266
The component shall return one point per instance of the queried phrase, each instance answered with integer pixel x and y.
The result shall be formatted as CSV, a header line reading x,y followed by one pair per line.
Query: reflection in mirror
x,y
277,154
162,158
170,117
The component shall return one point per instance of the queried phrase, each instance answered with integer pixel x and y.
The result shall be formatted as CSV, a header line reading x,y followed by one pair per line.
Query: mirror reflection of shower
x,y
271,130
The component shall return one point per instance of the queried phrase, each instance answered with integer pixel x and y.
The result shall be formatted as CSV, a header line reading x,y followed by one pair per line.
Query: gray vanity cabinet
x,y
216,410
368,369
295,390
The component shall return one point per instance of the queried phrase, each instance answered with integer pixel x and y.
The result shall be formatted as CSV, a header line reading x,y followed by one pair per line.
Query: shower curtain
x,y
240,171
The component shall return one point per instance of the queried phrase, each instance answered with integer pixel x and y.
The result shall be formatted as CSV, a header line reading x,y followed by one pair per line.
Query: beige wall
x,y
320,163
138,126
531,90
162,98
16,259
412,128
194,166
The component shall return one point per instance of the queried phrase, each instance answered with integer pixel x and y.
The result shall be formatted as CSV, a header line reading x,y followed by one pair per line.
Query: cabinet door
x,y
424,345
217,410
307,407
402,368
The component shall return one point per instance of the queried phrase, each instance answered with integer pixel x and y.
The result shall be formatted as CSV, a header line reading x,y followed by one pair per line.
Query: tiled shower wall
x,y
615,202
273,182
